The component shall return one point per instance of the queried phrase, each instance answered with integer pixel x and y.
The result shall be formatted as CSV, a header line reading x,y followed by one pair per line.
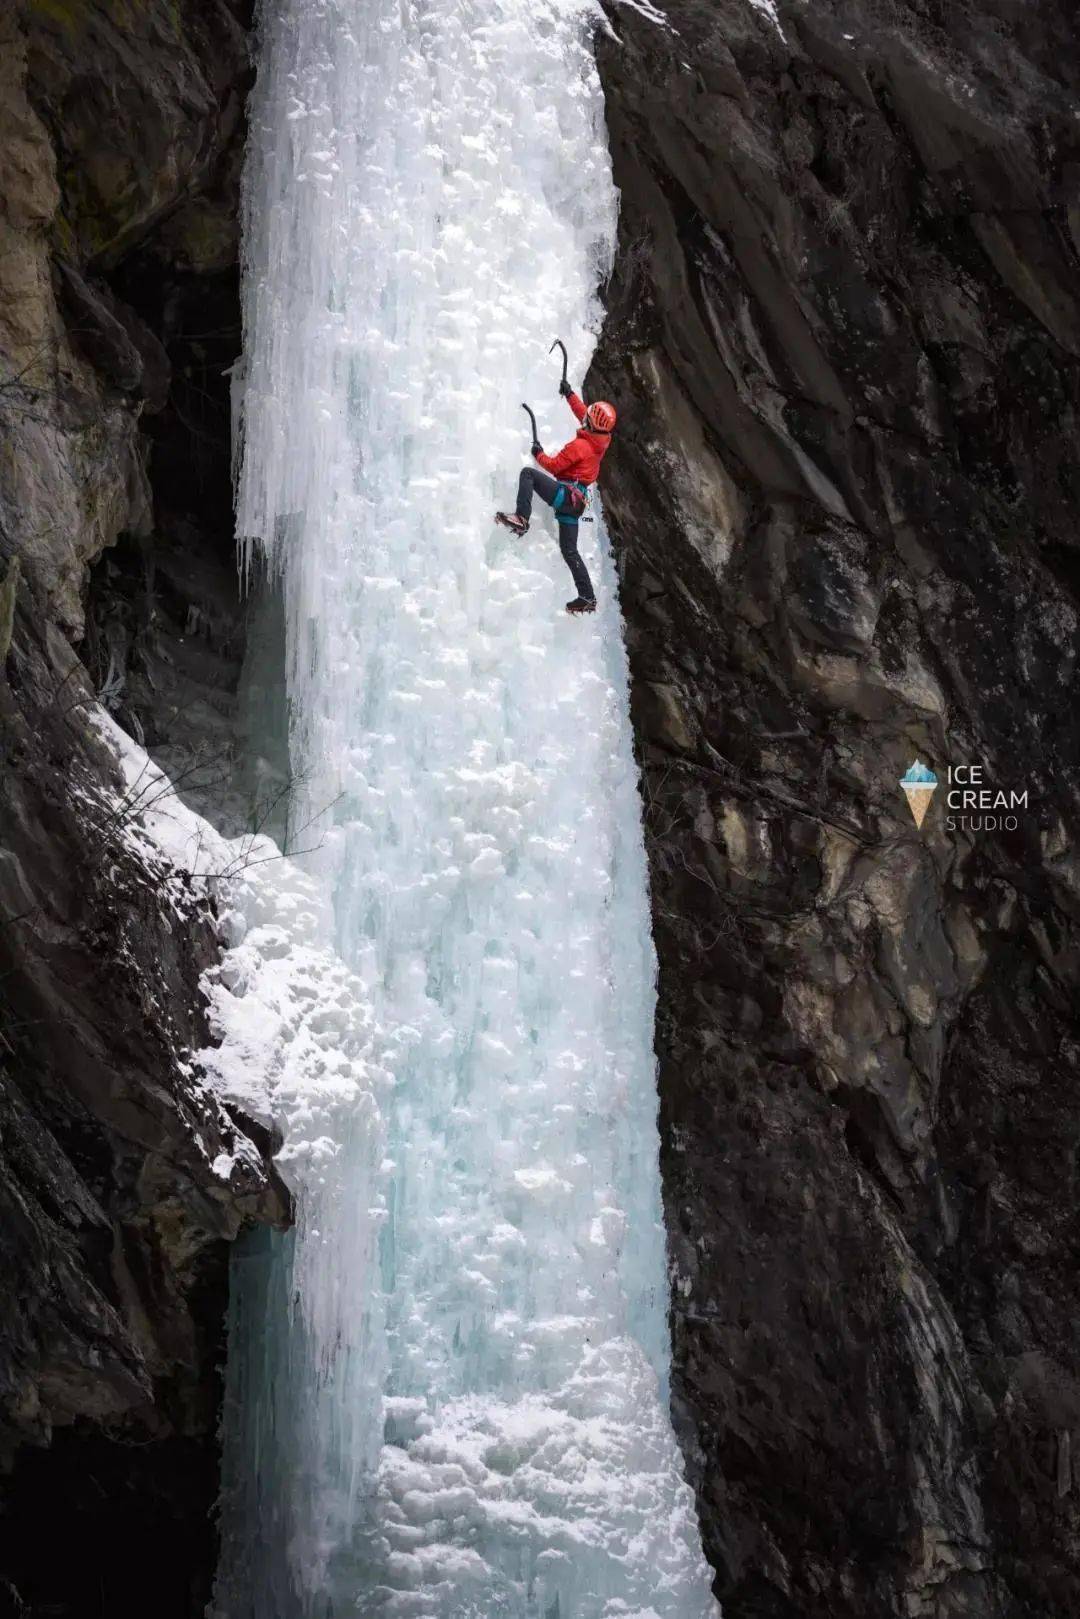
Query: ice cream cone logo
x,y
918,785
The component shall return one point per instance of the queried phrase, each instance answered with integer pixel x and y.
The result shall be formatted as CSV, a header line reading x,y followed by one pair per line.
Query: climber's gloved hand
x,y
537,447
565,388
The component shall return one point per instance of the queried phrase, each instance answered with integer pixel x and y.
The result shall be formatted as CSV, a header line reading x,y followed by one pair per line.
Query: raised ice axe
x,y
558,344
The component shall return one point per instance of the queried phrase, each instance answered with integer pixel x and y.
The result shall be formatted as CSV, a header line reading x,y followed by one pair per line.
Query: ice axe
x,y
532,422
558,344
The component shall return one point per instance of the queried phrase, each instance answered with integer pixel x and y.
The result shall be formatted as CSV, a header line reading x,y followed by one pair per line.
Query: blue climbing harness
x,y
569,502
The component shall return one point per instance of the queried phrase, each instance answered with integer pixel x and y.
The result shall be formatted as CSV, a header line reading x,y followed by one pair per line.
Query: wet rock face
x,y
116,1202
121,133
122,1183
844,336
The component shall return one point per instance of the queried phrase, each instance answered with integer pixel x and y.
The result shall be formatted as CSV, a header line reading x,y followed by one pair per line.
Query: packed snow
x,y
447,1390
292,1025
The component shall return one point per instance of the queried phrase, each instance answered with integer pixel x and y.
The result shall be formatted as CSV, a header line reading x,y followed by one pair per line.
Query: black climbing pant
x,y
533,481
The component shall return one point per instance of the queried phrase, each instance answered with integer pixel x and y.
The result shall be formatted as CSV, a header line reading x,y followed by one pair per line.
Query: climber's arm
x,y
559,465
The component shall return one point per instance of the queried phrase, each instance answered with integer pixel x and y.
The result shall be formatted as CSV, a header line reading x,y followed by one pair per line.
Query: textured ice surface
x,y
472,1420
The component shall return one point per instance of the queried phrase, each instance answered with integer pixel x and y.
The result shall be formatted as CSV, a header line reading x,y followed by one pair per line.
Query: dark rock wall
x,y
114,1213
844,335
121,135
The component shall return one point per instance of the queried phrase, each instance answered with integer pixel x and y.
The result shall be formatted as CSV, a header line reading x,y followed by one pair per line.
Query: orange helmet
x,y
600,418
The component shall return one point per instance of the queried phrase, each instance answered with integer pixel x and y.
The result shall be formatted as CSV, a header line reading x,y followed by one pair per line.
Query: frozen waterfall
x,y
447,1388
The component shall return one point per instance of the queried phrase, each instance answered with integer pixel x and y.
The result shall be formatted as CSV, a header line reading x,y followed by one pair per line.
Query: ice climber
x,y
562,485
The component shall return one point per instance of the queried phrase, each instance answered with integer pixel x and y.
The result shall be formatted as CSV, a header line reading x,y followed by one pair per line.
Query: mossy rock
x,y
69,15
9,590
76,18
128,89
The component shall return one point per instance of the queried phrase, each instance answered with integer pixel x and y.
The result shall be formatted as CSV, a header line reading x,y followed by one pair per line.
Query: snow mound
x,y
292,1025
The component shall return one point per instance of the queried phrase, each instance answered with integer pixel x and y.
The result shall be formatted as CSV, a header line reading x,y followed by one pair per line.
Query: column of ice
x,y
429,202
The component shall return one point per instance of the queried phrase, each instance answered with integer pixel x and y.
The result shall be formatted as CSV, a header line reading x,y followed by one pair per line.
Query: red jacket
x,y
579,461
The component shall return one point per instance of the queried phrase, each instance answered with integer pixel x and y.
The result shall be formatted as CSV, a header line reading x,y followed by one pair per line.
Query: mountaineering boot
x,y
581,605
511,520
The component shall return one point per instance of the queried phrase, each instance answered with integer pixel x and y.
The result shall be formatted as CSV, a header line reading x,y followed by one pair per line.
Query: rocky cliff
x,y
844,334
122,1182
844,338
